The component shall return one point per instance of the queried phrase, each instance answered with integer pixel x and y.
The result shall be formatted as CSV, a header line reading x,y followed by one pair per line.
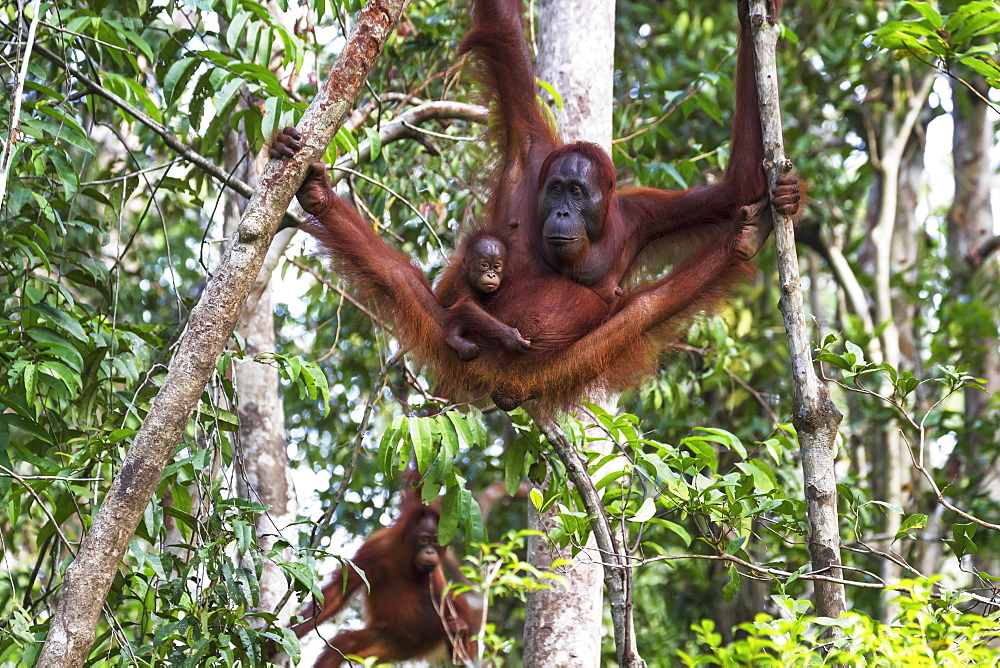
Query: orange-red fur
x,y
401,619
579,341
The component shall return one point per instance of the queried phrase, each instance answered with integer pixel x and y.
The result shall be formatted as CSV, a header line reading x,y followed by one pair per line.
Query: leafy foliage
x,y
928,632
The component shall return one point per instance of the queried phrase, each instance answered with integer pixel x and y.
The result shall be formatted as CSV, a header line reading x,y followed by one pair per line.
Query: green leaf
x,y
59,318
176,78
375,142
63,373
727,439
910,523
677,529
30,376
513,465
703,451
474,530
320,383
346,143
68,128
390,442
982,65
736,544
962,542
462,428
138,42
449,437
857,355
645,512
928,12
273,107
448,524
983,20
236,31
422,442
764,479
225,101
733,586
551,90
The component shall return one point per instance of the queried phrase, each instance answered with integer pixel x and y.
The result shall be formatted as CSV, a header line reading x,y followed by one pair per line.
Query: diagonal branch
x,y
614,559
88,579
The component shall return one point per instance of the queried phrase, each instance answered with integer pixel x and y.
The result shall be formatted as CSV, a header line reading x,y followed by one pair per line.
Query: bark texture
x,y
970,227
263,474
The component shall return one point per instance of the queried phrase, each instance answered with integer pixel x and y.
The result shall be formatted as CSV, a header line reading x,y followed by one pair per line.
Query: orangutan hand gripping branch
x,y
572,242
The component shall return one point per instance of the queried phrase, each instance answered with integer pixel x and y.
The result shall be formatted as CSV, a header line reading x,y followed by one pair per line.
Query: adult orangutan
x,y
404,588
572,241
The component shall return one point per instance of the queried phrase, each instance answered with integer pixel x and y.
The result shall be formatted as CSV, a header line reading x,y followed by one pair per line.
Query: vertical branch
x,y
613,556
563,624
813,413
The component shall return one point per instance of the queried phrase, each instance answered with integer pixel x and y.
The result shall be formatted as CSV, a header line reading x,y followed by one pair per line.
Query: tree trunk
x,y
263,473
970,225
563,625
890,460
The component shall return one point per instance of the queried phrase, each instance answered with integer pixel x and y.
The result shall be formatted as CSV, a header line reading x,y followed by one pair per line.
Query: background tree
x,y
563,622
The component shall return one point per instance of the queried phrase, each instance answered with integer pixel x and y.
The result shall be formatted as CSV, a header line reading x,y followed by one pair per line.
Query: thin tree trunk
x,y
970,226
887,450
813,414
263,474
970,223
88,579
617,578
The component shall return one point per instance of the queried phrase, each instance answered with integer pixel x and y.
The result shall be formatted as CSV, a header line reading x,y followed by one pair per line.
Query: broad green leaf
x,y
462,428
177,77
450,506
375,143
62,372
928,11
910,523
64,321
235,34
645,512
423,444
513,465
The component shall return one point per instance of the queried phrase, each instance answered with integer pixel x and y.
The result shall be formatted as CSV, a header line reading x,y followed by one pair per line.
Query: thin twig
x,y
15,108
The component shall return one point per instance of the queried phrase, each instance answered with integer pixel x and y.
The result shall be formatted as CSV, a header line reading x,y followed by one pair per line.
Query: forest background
x,y
112,227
